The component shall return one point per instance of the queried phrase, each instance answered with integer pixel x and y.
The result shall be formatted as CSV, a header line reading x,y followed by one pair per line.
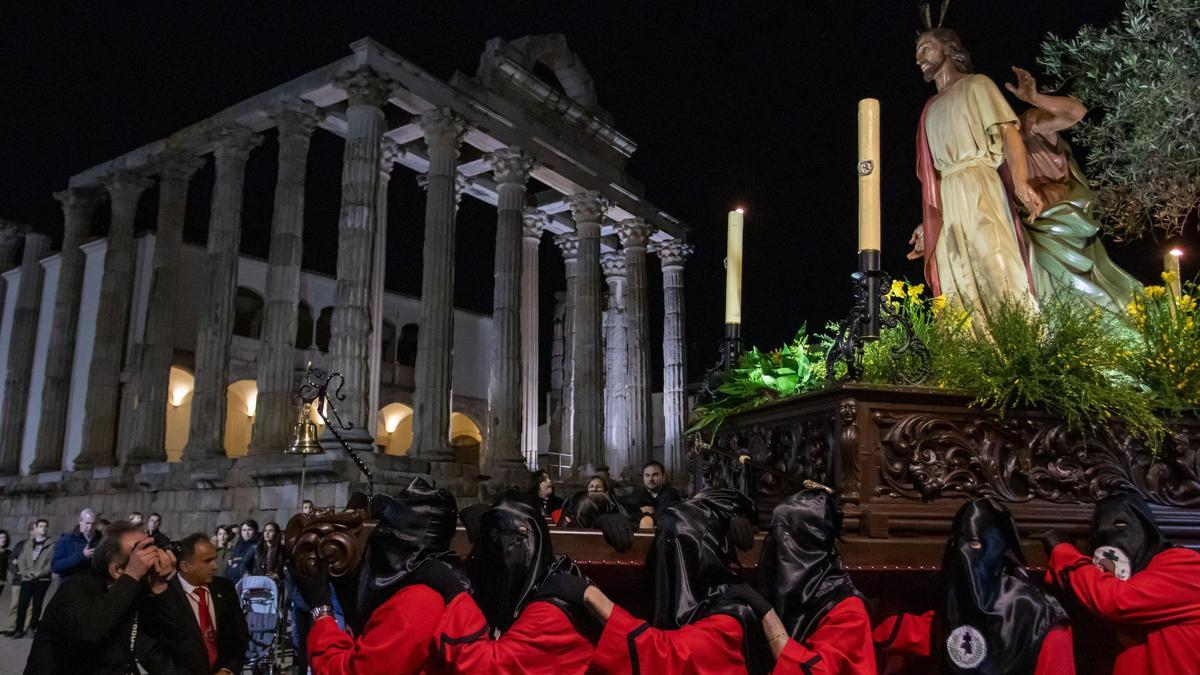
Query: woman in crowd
x,y
5,556
599,484
268,559
820,622
989,617
241,559
541,494
221,539
1135,579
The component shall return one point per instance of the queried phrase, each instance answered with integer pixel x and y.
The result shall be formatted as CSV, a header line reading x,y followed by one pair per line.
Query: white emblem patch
x,y
966,647
1118,558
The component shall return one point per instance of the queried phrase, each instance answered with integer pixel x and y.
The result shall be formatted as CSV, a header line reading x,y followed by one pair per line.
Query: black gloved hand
x,y
565,587
1049,539
741,533
314,588
617,529
746,594
441,577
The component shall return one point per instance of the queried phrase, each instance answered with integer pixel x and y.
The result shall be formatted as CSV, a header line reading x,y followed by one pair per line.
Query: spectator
x,y
241,558
268,559
655,495
202,626
34,569
306,507
222,540
599,484
5,555
541,492
154,529
11,570
73,552
136,518
102,526
90,623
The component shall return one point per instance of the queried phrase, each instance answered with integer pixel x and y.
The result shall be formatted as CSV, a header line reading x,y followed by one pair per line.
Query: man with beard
x,y
990,618
408,576
822,624
510,565
1137,580
705,621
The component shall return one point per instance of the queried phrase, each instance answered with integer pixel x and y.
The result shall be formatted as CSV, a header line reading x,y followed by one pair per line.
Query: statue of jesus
x,y
970,235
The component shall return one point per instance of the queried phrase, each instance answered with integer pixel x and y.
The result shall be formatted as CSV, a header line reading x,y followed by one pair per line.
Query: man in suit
x,y
202,627
655,495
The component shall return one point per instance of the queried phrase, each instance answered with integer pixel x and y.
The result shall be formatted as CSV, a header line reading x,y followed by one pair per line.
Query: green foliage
x,y
1166,354
1141,77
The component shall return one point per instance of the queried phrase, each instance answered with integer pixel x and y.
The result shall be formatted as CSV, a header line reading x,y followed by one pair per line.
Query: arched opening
x,y
180,384
389,342
304,326
465,439
406,346
394,428
247,313
241,402
324,327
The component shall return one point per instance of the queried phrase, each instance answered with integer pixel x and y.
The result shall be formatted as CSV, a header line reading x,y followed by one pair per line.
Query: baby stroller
x,y
259,597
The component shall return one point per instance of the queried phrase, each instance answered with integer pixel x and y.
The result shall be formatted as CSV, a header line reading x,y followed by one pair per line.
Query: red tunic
x,y
398,638
841,643
629,645
907,636
542,640
1156,611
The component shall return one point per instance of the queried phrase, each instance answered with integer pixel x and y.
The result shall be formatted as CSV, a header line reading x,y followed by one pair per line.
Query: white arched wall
x,y
180,384
394,428
241,400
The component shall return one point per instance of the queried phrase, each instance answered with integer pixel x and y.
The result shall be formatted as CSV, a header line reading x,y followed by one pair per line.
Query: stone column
x,y
534,224
431,418
350,336
634,234
20,352
78,206
568,243
389,152
587,383
672,254
206,430
616,365
510,166
108,351
150,414
274,414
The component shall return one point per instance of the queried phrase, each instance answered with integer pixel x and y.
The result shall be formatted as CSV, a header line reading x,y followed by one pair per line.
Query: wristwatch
x,y
320,611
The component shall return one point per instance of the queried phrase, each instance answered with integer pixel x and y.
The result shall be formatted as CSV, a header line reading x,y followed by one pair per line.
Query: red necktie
x,y
206,626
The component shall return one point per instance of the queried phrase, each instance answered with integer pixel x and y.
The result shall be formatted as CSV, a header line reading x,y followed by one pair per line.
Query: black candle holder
x,y
872,312
315,391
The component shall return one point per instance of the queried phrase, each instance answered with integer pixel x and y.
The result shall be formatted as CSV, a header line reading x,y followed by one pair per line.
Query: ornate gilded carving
x,y
339,537
851,482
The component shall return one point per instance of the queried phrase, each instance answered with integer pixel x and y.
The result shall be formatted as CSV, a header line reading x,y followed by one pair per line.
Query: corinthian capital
x,y
612,264
568,243
672,253
294,116
364,86
77,199
443,127
389,153
634,232
234,141
125,185
536,221
510,165
178,164
587,206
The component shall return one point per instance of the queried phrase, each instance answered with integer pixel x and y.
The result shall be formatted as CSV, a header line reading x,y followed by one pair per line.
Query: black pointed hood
x,y
1124,531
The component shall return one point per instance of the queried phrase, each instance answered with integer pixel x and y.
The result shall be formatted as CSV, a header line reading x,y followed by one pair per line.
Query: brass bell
x,y
304,435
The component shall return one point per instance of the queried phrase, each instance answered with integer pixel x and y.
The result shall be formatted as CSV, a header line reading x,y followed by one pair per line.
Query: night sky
x,y
731,104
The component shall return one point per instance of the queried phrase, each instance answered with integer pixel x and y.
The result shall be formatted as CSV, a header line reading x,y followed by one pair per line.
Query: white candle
x,y
733,268
1171,266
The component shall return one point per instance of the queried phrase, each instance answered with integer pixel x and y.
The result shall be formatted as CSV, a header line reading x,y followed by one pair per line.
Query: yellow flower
x,y
915,292
1186,303
1156,292
897,290
1170,278
938,304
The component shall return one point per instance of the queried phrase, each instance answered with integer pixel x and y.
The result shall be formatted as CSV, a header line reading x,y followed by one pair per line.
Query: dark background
x,y
730,103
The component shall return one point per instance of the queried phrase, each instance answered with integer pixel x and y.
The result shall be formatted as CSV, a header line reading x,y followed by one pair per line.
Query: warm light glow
x,y
740,210
251,402
391,422
1178,253
178,394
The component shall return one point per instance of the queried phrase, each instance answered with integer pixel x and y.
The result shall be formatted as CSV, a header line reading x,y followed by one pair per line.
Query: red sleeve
x,y
629,645
905,633
541,641
1167,590
841,643
1058,653
398,637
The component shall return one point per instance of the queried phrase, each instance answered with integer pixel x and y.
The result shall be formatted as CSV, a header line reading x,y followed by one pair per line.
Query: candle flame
x,y
740,210
1177,252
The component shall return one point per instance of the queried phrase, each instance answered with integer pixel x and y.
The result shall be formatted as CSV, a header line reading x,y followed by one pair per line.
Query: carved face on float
x,y
930,56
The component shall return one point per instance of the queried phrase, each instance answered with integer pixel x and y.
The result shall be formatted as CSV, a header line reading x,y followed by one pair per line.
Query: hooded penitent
x,y
1124,531
689,563
415,525
510,559
992,618
800,573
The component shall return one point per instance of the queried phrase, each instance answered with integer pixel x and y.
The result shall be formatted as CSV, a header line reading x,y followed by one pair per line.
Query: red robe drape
x,y
1156,612
542,640
841,644
629,645
907,636
398,638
